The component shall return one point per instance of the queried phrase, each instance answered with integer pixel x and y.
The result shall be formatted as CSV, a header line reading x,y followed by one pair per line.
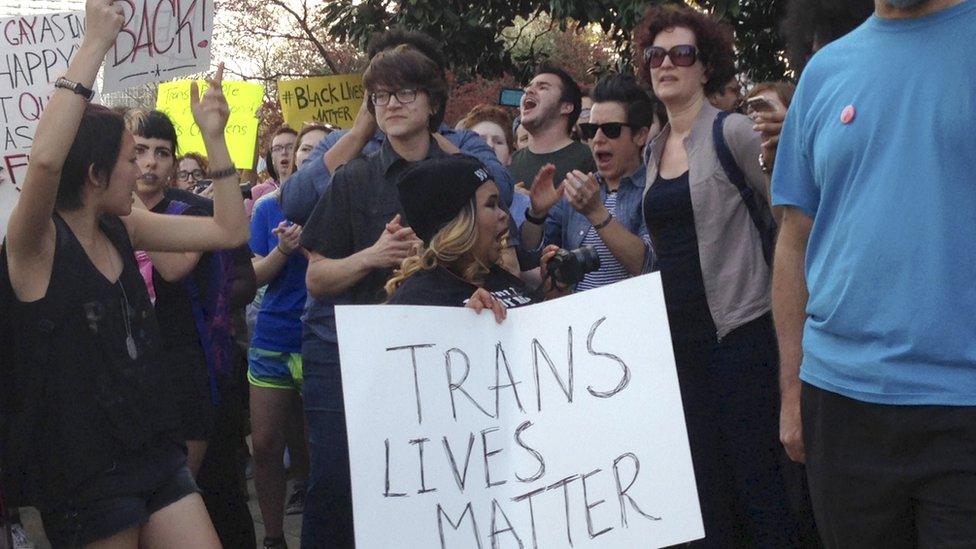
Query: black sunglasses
x,y
610,129
682,55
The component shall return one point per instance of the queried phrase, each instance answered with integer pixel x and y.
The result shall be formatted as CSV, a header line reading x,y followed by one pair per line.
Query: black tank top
x,y
89,373
670,221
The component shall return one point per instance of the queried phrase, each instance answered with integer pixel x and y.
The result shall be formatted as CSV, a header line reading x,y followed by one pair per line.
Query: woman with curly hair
x,y
192,171
706,207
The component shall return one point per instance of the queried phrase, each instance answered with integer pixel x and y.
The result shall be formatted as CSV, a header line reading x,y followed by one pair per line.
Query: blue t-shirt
x,y
279,324
891,260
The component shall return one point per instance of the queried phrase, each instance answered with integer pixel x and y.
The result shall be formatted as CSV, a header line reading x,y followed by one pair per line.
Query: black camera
x,y
568,267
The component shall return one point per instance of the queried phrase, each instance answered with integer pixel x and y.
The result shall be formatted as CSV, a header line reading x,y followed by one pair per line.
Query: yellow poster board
x,y
331,100
244,99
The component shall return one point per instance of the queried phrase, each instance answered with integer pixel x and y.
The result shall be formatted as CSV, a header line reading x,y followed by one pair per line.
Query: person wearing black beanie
x,y
452,205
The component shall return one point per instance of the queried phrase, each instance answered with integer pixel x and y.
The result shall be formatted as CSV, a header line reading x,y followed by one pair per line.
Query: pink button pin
x,y
847,115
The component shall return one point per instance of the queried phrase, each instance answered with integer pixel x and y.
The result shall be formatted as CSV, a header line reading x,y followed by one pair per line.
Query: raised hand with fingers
x,y
210,112
543,195
481,300
583,193
103,19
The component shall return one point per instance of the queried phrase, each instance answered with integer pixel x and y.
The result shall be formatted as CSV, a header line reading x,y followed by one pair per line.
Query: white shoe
x,y
20,537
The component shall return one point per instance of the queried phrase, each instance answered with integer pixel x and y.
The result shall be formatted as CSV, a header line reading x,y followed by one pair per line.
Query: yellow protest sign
x,y
244,100
325,99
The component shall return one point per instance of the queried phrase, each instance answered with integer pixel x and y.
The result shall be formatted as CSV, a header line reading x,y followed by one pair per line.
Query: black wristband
x,y
75,87
531,219
221,174
604,223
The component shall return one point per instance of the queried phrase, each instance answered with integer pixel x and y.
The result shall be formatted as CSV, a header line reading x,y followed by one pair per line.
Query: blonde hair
x,y
449,246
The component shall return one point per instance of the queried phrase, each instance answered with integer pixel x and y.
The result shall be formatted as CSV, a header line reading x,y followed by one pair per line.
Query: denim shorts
x,y
120,498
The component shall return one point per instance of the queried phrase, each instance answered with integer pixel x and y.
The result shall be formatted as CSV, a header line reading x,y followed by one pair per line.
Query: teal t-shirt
x,y
891,187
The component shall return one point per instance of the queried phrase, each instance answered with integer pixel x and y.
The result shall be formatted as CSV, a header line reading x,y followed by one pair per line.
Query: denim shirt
x,y
566,227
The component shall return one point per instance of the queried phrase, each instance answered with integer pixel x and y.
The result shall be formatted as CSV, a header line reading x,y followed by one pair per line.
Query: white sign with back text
x,y
160,40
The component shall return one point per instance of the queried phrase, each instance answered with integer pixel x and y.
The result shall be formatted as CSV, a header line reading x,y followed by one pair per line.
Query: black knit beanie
x,y
434,191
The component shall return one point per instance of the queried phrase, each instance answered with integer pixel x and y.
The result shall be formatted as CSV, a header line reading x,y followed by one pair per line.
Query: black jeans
x,y
890,476
221,476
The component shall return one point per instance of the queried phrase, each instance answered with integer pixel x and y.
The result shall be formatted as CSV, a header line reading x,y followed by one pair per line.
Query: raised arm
x,y
30,231
352,143
228,228
543,197
308,184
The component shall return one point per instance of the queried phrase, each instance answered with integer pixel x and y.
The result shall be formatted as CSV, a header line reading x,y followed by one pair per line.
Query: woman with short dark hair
x,y
706,207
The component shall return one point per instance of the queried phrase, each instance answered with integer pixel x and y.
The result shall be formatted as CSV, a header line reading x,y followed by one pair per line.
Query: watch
x,y
81,90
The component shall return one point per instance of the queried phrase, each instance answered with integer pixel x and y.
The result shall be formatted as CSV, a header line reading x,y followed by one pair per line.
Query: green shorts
x,y
274,369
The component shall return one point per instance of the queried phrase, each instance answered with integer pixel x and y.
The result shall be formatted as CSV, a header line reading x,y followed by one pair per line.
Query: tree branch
x,y
303,23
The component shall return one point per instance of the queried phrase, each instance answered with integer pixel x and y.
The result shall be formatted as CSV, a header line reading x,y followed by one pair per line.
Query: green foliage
x,y
758,40
478,34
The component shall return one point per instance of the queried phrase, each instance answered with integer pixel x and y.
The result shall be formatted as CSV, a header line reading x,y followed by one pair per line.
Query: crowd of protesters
x,y
814,243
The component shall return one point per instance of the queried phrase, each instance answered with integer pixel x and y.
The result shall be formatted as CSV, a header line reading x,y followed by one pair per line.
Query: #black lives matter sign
x,y
561,427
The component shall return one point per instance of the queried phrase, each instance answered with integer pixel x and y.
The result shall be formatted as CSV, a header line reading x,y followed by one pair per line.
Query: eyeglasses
x,y
282,148
404,96
682,55
184,175
610,129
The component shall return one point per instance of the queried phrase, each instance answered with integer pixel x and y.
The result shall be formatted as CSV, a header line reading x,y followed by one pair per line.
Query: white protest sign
x,y
161,40
36,50
560,427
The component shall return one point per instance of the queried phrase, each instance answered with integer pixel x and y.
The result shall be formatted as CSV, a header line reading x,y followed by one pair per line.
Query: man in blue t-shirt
x,y
873,287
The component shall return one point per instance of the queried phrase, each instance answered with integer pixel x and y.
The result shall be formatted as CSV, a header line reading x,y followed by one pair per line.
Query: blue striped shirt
x,y
610,270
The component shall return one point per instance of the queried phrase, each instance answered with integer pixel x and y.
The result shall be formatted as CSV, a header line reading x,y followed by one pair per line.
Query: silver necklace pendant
x,y
130,345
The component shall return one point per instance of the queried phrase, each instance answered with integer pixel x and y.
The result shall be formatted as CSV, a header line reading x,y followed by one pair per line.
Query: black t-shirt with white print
x,y
440,287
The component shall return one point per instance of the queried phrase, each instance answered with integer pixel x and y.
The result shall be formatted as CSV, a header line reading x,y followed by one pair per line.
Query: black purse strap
x,y
767,230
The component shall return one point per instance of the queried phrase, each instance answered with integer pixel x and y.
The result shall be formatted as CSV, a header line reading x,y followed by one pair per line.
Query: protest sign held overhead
x,y
561,427
331,100
244,99
36,51
161,40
